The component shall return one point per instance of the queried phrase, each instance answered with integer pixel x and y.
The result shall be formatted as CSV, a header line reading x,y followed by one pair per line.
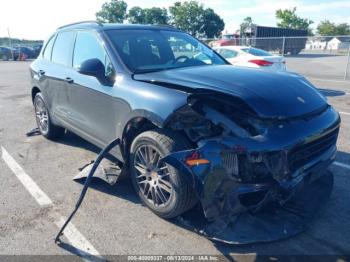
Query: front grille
x,y
304,153
230,162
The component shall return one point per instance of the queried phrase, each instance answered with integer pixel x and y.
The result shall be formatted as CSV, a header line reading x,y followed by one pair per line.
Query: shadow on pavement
x,y
331,92
323,243
80,253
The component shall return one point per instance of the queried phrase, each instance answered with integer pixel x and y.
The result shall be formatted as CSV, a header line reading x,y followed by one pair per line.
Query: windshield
x,y
255,51
154,50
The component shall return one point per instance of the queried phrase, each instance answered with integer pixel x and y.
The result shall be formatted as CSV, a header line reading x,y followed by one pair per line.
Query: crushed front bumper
x,y
254,189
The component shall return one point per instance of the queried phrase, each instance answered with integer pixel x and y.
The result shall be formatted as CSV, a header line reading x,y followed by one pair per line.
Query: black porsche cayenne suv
x,y
193,128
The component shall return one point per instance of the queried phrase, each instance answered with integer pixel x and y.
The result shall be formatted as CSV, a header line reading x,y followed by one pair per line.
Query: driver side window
x,y
182,48
88,47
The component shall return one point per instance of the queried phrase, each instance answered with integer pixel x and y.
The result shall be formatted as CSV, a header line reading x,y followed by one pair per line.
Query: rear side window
x,y
256,52
226,53
61,53
48,48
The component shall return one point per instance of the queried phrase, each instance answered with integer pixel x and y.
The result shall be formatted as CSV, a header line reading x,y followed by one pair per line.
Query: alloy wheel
x,y
42,116
153,176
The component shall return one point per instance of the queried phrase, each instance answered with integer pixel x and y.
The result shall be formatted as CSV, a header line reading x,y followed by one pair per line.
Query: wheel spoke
x,y
143,182
142,157
165,185
149,153
141,168
159,192
153,195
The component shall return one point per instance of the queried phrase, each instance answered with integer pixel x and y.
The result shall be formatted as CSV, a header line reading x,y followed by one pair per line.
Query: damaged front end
x,y
257,179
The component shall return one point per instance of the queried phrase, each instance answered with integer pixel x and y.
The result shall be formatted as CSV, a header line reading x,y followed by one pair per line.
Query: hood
x,y
269,94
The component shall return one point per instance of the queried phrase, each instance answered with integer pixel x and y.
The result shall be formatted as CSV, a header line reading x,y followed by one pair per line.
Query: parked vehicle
x,y
252,57
271,38
5,53
25,51
191,130
36,50
227,40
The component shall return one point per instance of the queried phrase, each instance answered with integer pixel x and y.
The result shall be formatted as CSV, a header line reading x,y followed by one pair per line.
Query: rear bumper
x,y
246,174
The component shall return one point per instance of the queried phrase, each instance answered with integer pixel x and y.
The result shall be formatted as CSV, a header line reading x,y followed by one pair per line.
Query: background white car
x,y
252,57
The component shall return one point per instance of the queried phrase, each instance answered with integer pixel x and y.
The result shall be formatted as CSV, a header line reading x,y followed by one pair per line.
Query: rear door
x,y
56,72
92,106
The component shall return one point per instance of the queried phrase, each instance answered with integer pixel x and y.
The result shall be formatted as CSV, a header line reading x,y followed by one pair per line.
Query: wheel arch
x,y
137,122
34,91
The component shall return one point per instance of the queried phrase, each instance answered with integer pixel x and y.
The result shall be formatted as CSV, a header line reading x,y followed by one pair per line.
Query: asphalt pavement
x,y
112,220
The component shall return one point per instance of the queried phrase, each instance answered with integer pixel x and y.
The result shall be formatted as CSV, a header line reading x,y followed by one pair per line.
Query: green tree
x,y
247,22
287,18
213,24
136,15
191,17
328,28
187,16
343,29
112,12
156,16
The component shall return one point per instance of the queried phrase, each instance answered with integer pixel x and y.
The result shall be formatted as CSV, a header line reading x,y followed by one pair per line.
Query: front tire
x,y
42,116
160,186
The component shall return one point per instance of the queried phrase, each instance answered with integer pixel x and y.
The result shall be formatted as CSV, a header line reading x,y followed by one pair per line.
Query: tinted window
x,y
255,51
226,53
61,53
48,48
154,50
87,47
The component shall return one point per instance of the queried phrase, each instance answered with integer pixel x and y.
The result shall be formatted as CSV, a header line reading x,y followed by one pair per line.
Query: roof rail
x,y
161,25
82,22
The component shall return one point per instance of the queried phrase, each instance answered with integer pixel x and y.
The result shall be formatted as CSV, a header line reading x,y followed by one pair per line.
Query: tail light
x,y
261,62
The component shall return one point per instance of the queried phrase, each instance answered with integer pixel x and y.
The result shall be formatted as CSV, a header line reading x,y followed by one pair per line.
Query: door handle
x,y
41,72
69,80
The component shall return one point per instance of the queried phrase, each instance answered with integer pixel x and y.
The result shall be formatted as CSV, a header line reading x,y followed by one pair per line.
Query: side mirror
x,y
94,67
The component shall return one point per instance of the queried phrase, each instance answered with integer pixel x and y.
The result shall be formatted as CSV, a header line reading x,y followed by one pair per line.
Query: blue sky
x,y
36,19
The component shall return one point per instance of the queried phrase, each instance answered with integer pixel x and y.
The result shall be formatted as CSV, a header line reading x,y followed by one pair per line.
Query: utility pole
x,y
10,42
347,64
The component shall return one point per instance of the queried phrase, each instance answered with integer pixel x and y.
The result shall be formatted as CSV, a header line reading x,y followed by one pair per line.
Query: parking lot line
x,y
341,165
344,113
27,181
81,244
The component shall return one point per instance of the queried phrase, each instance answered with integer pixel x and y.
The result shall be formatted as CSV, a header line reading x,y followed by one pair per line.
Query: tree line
x,y
194,18
189,16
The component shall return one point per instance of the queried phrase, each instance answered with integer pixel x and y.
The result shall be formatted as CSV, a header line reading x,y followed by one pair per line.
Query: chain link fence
x,y
325,57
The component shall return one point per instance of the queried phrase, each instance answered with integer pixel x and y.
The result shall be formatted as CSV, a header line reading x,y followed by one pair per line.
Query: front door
x,y
92,106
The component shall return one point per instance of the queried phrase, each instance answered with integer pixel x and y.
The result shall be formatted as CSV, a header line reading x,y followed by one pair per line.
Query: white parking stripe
x,y
344,113
82,245
77,239
27,181
341,165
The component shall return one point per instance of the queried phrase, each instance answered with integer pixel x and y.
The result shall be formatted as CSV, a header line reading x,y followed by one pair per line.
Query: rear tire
x,y
43,120
160,186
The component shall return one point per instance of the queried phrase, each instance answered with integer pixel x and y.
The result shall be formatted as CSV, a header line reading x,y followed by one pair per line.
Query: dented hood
x,y
269,94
